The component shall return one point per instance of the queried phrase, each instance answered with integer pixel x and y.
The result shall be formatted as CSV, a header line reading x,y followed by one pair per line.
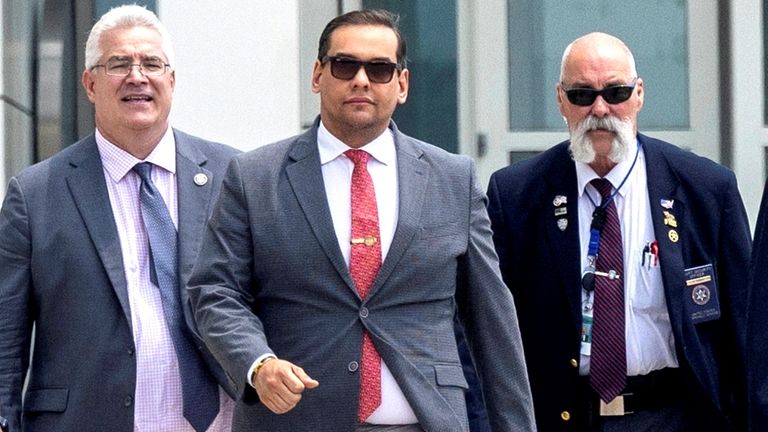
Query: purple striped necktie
x,y
608,366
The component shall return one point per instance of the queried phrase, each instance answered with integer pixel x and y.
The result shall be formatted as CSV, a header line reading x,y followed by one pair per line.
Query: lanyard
x,y
598,220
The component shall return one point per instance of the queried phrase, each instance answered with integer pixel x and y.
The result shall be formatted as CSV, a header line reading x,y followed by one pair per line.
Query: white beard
x,y
581,146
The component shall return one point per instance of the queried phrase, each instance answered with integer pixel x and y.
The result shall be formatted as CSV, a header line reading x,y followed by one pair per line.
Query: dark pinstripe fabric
x,y
608,367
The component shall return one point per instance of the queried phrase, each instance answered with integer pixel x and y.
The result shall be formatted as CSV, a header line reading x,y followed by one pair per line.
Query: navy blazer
x,y
61,269
757,324
541,265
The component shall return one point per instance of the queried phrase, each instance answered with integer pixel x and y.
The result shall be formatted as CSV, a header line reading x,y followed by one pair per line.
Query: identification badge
x,y
586,334
701,294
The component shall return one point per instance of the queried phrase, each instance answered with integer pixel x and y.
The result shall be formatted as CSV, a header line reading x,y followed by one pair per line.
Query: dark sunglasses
x,y
345,68
613,94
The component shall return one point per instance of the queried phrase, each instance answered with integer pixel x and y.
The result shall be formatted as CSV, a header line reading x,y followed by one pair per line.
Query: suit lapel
x,y
564,243
89,191
413,175
662,184
193,205
306,179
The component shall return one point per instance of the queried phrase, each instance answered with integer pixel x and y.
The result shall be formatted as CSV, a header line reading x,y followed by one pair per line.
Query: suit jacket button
x,y
565,415
352,366
574,363
364,312
128,401
130,351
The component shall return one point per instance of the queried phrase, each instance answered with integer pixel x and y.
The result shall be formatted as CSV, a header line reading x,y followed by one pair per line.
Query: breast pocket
x,y
649,295
442,230
451,376
46,400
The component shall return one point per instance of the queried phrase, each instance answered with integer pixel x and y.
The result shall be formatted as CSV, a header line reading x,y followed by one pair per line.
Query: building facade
x,y
483,73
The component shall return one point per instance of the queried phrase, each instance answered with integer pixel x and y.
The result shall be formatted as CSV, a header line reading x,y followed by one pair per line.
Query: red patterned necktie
x,y
608,366
364,263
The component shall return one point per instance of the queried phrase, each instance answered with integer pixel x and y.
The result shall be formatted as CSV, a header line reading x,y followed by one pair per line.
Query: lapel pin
x,y
560,211
673,236
562,223
560,200
667,203
669,219
200,179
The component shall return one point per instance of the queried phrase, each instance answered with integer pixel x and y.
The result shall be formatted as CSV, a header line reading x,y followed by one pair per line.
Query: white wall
x,y
237,69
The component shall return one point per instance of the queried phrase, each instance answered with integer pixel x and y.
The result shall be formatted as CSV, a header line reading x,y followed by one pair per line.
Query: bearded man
x,y
626,257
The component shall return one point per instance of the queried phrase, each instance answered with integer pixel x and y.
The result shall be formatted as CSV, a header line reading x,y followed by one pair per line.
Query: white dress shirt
x,y
649,339
337,177
158,400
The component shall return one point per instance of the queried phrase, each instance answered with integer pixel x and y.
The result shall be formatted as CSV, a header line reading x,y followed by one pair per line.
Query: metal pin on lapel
x,y
200,179
673,236
669,219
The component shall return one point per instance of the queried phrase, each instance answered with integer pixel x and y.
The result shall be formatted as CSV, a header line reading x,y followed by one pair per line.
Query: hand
x,y
280,384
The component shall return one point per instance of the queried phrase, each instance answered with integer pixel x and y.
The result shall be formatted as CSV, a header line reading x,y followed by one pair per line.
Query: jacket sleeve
x,y
15,298
489,317
220,288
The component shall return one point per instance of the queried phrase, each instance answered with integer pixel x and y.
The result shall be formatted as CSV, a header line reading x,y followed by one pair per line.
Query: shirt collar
x,y
118,162
382,148
585,173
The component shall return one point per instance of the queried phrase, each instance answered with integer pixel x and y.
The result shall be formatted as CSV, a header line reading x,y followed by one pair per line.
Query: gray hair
x,y
126,16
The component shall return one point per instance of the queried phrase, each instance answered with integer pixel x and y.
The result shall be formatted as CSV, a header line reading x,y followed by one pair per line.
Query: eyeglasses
x,y
121,67
612,94
378,71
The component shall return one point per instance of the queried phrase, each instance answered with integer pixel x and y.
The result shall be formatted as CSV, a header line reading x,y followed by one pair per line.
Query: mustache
x,y
609,123
581,144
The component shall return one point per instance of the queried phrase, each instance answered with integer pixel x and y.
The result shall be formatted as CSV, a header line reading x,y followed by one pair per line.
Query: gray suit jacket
x,y
271,279
61,269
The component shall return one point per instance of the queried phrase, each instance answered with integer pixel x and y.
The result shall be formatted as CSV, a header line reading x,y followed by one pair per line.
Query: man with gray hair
x,y
626,257
98,242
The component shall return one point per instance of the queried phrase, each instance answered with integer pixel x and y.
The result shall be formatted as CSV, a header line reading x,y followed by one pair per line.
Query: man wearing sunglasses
x,y
626,257
336,260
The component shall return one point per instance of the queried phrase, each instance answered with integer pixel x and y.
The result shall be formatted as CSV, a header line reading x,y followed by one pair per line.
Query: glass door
x,y
510,53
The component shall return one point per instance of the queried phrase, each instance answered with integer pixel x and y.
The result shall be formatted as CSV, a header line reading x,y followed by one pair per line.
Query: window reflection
x,y
539,32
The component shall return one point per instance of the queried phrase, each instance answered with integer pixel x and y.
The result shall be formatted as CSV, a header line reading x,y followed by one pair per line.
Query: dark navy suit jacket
x,y
541,265
757,324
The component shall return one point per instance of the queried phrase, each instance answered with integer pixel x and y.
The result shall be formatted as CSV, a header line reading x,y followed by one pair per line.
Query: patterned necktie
x,y
364,263
199,390
608,366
